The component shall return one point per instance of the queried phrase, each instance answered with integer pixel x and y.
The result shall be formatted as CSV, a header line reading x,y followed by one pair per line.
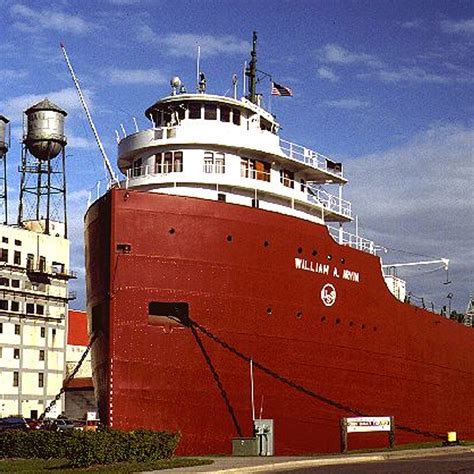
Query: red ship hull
x,y
253,279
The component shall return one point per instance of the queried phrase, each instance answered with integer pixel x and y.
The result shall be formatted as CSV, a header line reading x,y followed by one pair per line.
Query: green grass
x,y
61,465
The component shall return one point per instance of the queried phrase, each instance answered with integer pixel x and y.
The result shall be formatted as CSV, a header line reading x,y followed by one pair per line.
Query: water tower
x,y
43,179
4,143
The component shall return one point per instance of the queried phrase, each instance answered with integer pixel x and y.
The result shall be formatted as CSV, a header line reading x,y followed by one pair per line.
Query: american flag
x,y
278,89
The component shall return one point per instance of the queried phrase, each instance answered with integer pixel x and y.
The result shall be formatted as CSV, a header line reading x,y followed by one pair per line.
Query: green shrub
x,y
86,448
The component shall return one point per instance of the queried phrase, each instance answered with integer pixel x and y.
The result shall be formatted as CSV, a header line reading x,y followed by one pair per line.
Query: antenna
x,y
113,178
198,66
251,71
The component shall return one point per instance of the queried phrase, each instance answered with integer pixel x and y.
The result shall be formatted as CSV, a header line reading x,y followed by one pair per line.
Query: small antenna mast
x,y
251,72
113,178
198,66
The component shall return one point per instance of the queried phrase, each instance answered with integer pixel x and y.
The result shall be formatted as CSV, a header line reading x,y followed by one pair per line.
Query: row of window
x,y
31,308
196,110
16,353
18,330
14,283
214,162
16,379
5,241
30,261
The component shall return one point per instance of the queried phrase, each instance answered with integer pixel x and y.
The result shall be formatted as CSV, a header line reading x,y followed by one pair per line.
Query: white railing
x,y
353,240
290,189
330,202
310,157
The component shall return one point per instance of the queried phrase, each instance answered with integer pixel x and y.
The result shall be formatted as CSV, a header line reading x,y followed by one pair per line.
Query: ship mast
x,y
251,71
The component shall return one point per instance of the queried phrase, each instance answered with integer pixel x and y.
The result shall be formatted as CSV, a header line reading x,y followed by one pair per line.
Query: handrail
x,y
310,157
320,197
352,240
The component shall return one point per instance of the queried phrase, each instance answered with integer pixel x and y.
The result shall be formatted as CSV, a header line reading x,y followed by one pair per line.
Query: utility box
x,y
264,432
245,447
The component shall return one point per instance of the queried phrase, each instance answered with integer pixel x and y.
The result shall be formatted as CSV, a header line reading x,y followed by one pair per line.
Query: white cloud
x,y
65,98
75,141
411,25
30,20
408,74
336,54
347,103
418,197
459,26
326,73
185,44
136,76
12,74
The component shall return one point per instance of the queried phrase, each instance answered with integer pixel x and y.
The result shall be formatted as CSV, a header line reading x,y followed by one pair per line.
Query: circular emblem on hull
x,y
328,294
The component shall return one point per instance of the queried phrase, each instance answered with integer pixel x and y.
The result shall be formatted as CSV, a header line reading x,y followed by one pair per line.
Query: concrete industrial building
x,y
34,274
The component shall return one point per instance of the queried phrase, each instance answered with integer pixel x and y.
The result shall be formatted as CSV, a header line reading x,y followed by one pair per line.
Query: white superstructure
x,y
221,148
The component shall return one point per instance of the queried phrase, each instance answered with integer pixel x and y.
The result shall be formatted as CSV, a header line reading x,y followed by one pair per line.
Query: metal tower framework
x,y
43,189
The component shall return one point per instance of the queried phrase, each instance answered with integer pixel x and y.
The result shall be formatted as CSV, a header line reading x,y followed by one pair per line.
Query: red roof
x,y
77,333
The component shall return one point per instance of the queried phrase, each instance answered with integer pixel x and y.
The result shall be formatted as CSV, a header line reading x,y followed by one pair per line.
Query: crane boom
x,y
444,261
112,175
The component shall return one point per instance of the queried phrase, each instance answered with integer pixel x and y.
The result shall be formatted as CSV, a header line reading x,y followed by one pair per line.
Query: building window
x,y
5,240
236,116
194,110
4,305
3,255
53,331
1,328
42,264
39,309
214,162
225,113
30,308
41,379
210,111
16,353
16,283
41,354
169,162
255,169
58,267
17,329
4,281
30,261
287,178
18,242
14,306
17,257
15,379
1,352
43,332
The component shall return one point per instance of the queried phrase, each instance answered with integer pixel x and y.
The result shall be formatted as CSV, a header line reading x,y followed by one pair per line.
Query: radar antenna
x,y
113,178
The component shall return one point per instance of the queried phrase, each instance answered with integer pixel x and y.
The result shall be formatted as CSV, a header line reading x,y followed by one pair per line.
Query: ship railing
x,y
310,157
330,201
352,240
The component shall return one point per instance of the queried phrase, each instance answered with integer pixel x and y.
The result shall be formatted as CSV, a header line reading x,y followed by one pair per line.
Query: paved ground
x,y
307,464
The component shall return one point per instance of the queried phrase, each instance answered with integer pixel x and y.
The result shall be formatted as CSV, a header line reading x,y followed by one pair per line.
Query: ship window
x,y
214,162
210,112
160,313
265,124
287,178
254,169
181,111
236,116
137,167
194,110
221,197
169,162
225,114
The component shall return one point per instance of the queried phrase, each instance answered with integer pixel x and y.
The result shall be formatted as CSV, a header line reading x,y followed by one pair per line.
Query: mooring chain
x,y
297,386
68,379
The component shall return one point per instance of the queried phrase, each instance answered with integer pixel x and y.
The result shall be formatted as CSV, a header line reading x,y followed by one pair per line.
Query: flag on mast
x,y
284,91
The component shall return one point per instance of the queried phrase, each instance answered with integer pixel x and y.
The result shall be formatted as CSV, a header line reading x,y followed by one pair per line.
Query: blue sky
x,y
385,86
